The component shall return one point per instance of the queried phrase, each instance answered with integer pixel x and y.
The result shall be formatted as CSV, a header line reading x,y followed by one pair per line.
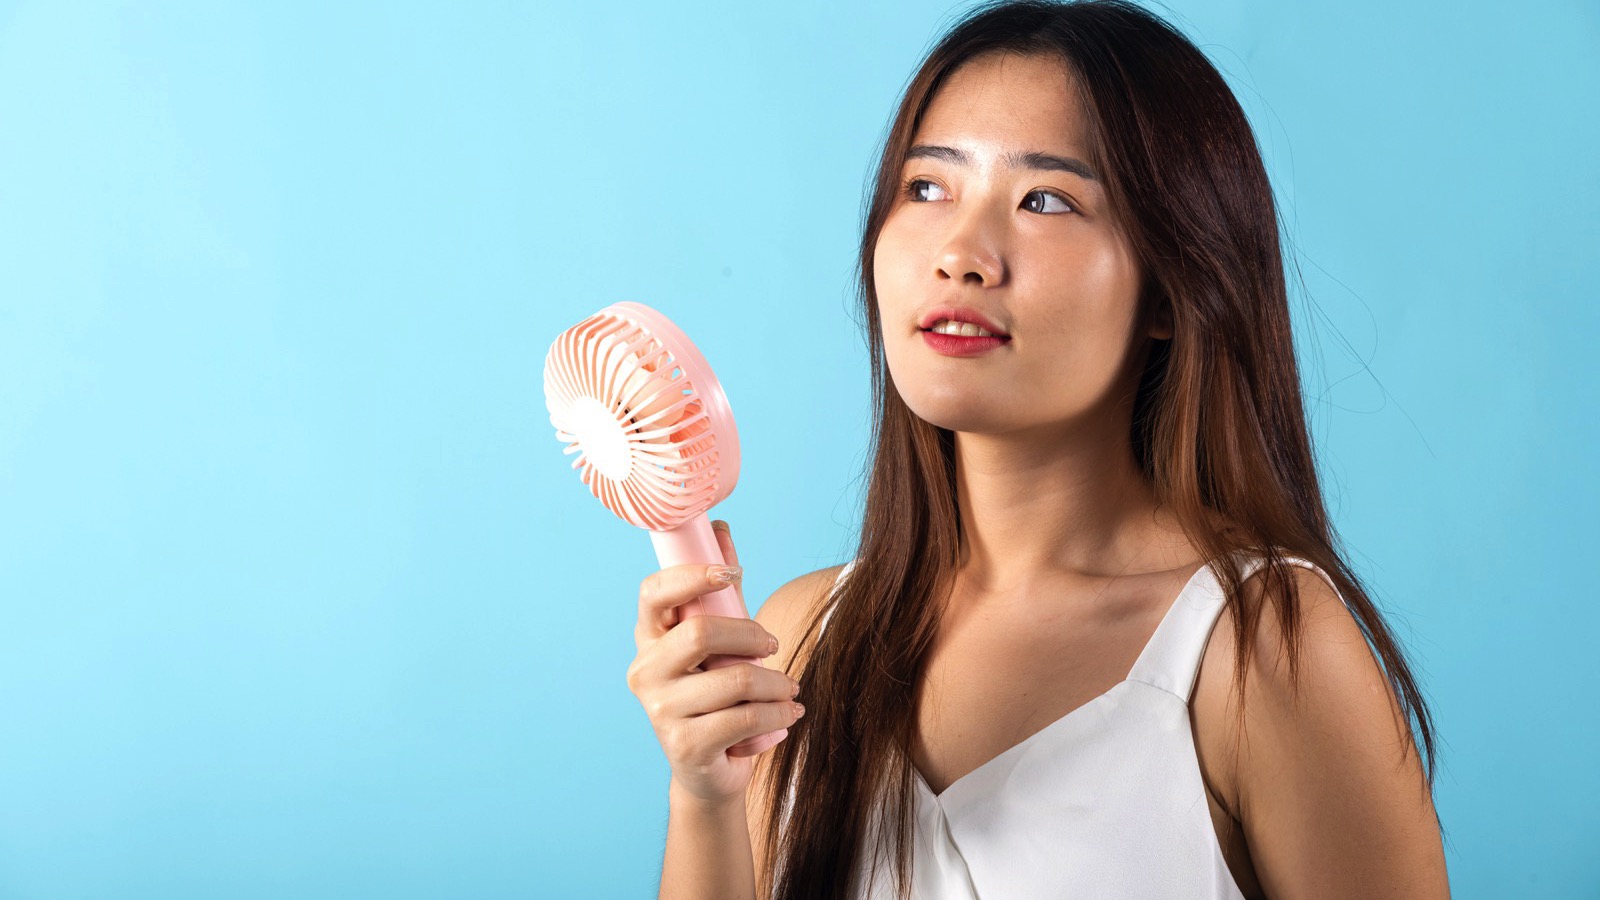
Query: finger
x,y
662,592
760,745
724,728
725,541
731,556
681,650
726,687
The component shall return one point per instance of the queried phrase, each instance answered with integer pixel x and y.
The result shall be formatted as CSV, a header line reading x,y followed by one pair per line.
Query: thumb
x,y
730,555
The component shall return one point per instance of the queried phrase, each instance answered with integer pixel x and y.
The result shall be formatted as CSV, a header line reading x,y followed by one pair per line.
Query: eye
x,y
911,190
1064,201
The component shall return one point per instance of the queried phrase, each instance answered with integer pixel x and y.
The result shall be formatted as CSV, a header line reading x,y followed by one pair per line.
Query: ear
x,y
1161,322
1158,313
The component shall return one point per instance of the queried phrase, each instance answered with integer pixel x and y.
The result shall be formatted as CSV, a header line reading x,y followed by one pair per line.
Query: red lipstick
x,y
960,344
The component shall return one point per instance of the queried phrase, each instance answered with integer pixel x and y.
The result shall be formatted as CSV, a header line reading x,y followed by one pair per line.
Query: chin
x,y
958,410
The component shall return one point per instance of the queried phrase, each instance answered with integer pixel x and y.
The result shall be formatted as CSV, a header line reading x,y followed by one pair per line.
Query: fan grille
x,y
655,462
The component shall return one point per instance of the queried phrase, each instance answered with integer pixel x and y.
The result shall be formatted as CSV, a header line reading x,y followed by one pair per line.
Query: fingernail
x,y
721,526
724,574
799,710
772,646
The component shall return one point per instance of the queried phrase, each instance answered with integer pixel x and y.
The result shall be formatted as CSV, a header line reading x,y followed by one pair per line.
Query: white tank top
x,y
1106,801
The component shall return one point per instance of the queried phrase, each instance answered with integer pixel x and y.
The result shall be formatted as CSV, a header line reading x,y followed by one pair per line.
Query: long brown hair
x,y
1218,426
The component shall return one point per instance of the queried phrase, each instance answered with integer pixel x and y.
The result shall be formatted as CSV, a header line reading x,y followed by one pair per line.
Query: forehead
x,y
1007,99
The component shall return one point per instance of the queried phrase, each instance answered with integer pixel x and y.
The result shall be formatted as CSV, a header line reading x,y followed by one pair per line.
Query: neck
x,y
1064,504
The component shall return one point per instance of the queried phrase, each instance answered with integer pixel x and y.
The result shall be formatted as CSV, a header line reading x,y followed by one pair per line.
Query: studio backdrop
x,y
299,596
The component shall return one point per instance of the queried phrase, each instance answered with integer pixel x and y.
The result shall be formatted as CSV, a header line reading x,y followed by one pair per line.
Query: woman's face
x,y
1033,248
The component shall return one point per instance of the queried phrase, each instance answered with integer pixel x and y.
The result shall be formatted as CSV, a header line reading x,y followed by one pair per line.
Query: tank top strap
x,y
1171,661
834,600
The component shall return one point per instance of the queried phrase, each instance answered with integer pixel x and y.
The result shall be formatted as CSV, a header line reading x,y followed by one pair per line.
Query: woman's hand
x,y
699,714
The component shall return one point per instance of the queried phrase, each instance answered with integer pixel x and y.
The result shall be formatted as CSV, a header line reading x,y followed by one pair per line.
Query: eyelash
x,y
909,191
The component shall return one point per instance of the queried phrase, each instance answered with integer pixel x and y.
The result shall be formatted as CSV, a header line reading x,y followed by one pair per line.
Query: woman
x,y
1097,640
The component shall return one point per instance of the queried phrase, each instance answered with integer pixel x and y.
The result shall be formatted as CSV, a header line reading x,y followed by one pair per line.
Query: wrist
x,y
680,798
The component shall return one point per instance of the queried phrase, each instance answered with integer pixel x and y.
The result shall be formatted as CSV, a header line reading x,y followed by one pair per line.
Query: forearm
x,y
708,851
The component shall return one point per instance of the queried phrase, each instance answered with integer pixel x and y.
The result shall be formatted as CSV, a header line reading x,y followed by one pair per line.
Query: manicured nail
x,y
799,710
724,574
772,646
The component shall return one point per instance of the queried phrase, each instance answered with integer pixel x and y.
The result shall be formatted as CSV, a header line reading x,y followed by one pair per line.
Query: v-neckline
x,y
1138,664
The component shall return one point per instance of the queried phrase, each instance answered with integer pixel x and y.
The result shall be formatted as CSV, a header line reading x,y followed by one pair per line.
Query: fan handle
x,y
695,542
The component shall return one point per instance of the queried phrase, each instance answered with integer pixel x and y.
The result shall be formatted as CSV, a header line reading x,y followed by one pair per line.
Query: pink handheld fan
x,y
634,398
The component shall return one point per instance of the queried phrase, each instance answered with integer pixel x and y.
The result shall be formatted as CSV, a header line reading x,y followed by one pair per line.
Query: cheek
x,y
1095,286
1108,270
897,249
896,293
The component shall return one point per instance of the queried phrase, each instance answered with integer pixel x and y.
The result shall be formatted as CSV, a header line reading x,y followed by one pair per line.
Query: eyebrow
x,y
1033,160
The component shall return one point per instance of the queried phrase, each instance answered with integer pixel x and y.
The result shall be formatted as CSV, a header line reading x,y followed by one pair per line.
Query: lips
x,y
962,314
961,345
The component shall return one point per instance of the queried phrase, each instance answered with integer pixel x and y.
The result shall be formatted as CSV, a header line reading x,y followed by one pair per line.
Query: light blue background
x,y
298,596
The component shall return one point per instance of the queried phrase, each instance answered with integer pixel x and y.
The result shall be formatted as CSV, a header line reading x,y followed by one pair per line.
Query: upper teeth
x,y
950,326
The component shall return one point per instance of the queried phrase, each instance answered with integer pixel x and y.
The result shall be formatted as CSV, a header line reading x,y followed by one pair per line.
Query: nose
x,y
970,257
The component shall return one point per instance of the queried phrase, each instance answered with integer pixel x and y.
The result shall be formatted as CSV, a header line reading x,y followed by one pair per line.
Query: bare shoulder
x,y
1338,681
1326,783
792,607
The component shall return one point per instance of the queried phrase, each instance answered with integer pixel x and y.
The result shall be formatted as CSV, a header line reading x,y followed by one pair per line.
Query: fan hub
x,y
600,435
